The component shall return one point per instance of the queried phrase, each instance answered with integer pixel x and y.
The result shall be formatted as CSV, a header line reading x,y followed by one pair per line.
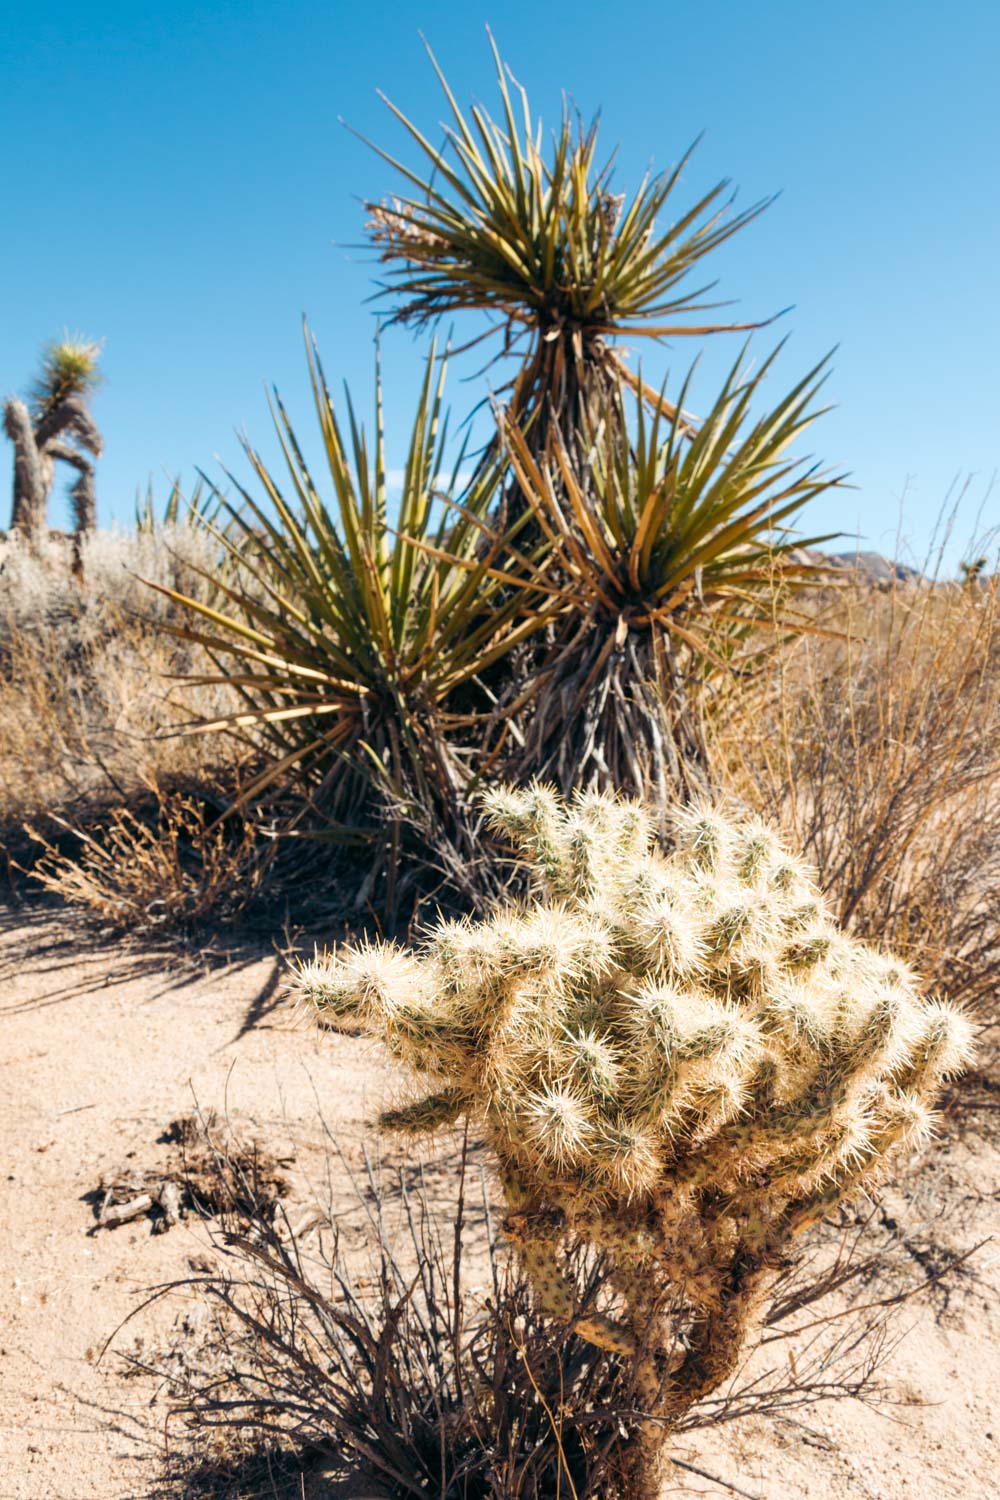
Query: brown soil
x,y
103,1048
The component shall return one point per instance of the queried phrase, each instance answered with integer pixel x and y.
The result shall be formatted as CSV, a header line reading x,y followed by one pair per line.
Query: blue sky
x,y
176,181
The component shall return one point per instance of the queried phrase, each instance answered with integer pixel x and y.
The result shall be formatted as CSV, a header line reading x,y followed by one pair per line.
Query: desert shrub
x,y
178,867
87,682
679,1061
386,665
385,1356
177,509
876,748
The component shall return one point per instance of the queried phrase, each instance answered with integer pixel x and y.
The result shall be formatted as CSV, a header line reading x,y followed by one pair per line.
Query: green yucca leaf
x,y
542,242
676,527
347,638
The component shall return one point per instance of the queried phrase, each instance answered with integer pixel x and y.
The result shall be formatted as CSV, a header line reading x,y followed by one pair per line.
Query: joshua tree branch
x,y
70,415
82,493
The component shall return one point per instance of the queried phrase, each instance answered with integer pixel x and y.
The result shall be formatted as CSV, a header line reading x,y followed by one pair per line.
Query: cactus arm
x,y
432,1113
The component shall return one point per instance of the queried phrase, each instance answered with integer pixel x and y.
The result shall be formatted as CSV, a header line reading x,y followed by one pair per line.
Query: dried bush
x,y
181,867
86,690
402,1340
680,1062
877,748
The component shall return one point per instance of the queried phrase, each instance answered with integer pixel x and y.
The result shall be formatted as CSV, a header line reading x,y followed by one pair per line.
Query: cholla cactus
x,y
679,1060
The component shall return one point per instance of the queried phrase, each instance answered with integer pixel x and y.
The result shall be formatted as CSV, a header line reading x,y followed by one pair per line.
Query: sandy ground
x,y
103,1048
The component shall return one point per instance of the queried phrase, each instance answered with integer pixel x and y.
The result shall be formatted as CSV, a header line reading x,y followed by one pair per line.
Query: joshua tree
x,y
678,1061
972,572
55,425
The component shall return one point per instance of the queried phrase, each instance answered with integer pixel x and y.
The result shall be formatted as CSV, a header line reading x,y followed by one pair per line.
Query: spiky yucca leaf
x,y
356,644
673,549
538,239
177,508
541,240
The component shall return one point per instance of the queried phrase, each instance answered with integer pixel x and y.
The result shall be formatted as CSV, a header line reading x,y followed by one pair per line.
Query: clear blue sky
x,y
176,180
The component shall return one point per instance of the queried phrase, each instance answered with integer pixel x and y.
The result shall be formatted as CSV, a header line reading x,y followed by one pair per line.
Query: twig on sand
x,y
681,1463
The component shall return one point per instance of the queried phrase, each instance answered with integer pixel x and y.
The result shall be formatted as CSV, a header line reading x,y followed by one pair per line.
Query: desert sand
x,y
103,1046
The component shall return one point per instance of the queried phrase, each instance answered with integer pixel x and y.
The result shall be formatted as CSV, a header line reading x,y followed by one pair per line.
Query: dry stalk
x,y
880,751
398,1341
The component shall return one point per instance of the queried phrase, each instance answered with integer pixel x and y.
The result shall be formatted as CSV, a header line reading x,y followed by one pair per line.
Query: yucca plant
x,y
357,645
539,242
673,548
667,532
678,1062
177,509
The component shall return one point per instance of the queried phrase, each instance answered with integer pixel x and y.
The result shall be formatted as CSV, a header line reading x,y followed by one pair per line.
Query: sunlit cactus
x,y
678,1060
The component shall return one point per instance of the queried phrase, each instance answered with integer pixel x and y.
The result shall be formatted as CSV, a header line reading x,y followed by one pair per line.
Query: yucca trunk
x,y
614,713
413,792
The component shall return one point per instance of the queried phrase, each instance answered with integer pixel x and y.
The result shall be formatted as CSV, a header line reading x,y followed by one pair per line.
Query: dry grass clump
x,y
86,672
878,752
39,593
680,1062
179,868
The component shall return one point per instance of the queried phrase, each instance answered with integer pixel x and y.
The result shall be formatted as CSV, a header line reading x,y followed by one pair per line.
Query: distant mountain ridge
x,y
868,567
874,565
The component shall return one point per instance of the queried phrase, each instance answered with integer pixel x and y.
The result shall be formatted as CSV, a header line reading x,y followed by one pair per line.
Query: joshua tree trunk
x,y
37,447
32,471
